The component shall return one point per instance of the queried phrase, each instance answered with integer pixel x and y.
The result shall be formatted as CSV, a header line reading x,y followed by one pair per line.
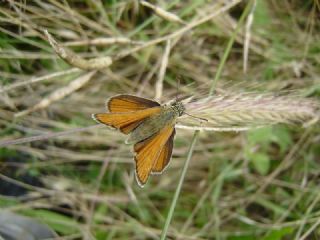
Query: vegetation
x,y
250,68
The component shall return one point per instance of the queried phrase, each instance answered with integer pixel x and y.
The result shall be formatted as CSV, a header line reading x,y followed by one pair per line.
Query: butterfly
x,y
151,130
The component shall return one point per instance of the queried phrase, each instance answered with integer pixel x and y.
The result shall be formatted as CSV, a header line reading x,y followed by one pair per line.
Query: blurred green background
x,y
258,184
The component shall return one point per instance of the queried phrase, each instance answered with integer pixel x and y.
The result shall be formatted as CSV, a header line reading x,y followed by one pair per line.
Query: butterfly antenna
x,y
202,119
178,86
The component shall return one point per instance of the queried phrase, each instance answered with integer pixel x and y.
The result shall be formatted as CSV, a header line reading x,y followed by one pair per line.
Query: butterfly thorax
x,y
153,124
178,108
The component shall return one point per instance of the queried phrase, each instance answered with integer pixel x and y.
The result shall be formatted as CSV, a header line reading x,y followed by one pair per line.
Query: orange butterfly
x,y
151,129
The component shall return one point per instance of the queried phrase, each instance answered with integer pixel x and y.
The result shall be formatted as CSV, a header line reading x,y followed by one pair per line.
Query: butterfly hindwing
x,y
148,152
125,121
128,103
164,156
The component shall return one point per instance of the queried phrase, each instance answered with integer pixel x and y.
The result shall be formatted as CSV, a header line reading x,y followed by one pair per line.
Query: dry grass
x,y
257,184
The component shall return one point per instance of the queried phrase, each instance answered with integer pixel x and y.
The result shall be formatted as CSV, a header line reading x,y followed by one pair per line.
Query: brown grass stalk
x,y
75,60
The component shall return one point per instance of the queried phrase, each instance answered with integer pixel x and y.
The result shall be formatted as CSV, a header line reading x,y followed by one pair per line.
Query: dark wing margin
x,y
129,103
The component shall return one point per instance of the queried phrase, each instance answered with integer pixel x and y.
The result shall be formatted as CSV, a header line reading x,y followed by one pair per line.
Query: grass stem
x,y
176,194
229,46
196,133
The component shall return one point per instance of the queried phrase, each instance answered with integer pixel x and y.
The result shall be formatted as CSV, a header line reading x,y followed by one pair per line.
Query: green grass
x,y
258,184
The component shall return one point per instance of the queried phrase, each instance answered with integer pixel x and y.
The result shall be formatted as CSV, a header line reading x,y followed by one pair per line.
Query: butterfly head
x,y
178,108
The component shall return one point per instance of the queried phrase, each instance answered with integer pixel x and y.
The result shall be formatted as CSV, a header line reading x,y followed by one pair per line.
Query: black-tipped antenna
x,y
203,119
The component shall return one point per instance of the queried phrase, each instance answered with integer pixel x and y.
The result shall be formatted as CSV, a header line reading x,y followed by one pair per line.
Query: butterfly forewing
x,y
127,121
164,156
148,152
129,103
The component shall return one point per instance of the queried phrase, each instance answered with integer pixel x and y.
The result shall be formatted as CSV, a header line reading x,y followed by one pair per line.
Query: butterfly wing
x,y
129,103
164,156
125,121
148,151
